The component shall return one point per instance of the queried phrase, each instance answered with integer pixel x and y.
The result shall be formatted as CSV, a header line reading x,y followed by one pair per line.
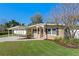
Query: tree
x,y
69,16
2,27
56,17
12,23
36,19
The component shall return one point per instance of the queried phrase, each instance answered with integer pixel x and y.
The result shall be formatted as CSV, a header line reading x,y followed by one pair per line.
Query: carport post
x,y
18,33
12,32
8,33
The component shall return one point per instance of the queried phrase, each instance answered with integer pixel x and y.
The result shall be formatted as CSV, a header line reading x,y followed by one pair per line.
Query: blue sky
x,y
23,12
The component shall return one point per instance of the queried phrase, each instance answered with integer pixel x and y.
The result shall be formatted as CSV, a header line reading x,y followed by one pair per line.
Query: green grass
x,y
6,35
35,48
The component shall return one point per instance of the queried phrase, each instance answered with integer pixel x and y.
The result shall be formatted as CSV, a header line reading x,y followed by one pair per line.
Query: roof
x,y
43,24
17,28
51,24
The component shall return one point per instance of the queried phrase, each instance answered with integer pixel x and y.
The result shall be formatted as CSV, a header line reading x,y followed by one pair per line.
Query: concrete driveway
x,y
15,38
10,38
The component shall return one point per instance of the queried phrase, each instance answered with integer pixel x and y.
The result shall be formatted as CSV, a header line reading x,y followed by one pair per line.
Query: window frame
x,y
47,30
54,31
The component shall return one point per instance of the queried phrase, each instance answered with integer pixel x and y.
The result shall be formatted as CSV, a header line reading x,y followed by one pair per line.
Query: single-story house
x,y
41,31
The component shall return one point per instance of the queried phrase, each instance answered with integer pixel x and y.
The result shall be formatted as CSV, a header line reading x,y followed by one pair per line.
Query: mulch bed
x,y
72,46
68,45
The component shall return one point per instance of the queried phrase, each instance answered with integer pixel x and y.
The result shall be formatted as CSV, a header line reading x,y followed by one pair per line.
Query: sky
x,y
22,12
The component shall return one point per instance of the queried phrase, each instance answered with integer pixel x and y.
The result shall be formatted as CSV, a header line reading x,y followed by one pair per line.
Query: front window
x,y
48,30
54,31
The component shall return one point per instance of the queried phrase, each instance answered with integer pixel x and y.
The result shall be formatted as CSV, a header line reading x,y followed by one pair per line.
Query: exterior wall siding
x,y
61,33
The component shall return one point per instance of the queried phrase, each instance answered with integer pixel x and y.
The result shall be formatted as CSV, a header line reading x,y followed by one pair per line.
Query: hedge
x,y
4,33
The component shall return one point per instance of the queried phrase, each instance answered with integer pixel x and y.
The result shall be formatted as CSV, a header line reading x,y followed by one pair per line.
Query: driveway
x,y
15,38
10,38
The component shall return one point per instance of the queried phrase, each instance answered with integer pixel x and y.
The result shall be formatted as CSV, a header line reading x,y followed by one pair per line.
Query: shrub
x,y
3,33
29,35
59,40
67,41
75,41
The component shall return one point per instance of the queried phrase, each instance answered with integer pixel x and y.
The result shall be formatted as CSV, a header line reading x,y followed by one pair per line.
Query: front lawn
x,y
35,48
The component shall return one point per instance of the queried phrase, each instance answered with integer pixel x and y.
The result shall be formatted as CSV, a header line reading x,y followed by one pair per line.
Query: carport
x,y
18,30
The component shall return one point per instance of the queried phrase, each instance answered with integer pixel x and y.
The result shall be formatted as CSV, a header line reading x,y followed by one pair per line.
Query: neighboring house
x,y
41,31
77,34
